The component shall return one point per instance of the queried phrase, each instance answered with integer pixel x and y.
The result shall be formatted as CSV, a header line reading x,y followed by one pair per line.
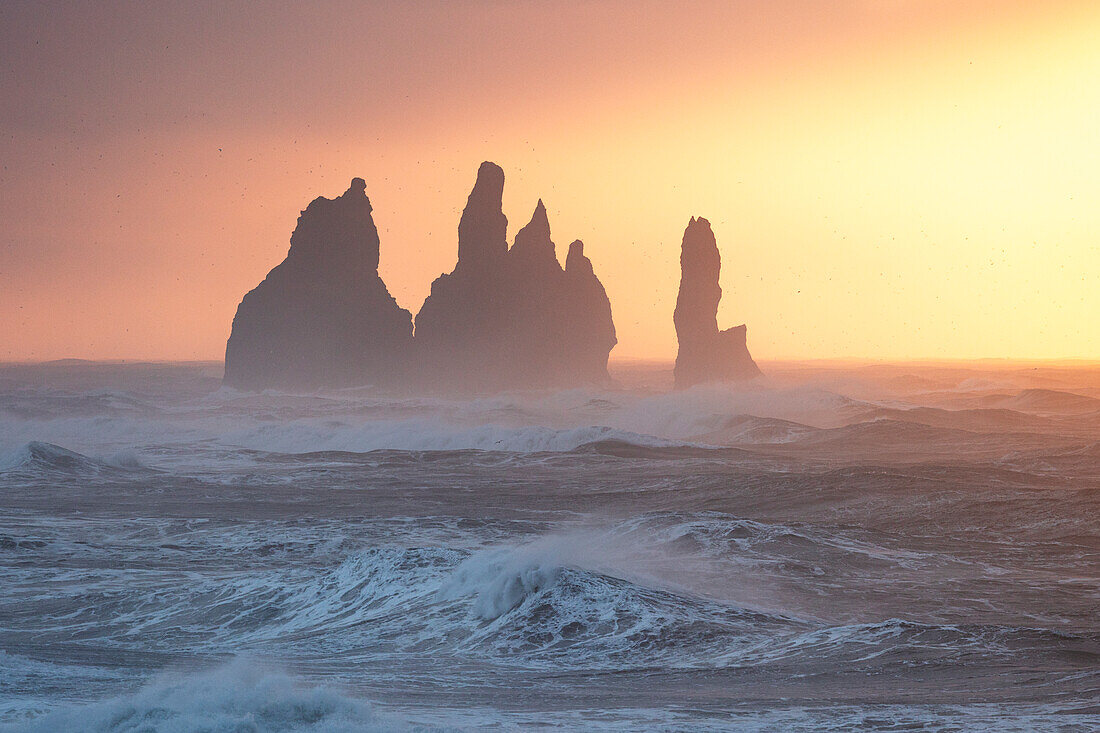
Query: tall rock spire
x,y
705,354
483,229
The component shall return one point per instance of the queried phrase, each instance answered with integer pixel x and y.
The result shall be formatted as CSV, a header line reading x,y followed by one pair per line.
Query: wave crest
x,y
40,457
240,696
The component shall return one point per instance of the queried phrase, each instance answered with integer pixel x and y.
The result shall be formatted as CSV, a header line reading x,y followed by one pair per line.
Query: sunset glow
x,y
896,179
579,365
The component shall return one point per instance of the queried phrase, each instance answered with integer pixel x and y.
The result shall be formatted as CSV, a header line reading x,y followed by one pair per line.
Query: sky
x,y
887,179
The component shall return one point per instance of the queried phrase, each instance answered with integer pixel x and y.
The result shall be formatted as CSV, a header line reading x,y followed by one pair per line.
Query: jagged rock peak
x,y
483,229
336,236
490,177
358,187
575,253
533,240
539,220
575,261
699,231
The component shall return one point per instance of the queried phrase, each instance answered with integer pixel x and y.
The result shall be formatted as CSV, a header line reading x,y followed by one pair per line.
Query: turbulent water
x,y
881,548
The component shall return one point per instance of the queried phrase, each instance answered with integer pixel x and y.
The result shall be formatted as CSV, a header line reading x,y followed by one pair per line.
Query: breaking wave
x,y
239,697
700,559
595,599
40,457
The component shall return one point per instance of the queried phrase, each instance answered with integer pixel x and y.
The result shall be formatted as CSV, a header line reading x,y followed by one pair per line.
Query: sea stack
x,y
513,318
322,317
705,354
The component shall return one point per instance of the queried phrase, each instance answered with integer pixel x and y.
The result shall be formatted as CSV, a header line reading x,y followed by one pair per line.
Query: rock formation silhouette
x,y
504,318
705,353
322,317
512,317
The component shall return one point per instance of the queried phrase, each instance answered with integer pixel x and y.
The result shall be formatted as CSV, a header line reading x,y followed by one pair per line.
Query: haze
x,y
885,179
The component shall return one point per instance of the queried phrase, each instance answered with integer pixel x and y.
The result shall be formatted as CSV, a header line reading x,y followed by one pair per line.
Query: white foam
x,y
360,421
240,696
50,456
501,579
303,436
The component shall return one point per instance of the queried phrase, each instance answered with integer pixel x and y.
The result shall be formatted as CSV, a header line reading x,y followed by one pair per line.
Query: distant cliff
x,y
323,316
504,318
513,317
705,354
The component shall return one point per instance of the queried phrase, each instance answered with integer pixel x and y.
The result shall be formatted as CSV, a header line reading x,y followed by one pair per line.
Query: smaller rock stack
x,y
705,354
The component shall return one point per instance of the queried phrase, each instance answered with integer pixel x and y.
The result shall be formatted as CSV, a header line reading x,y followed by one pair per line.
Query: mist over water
x,y
827,548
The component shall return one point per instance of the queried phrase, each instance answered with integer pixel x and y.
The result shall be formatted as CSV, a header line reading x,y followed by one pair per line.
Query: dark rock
x,y
513,318
322,317
502,319
705,354
483,228
589,310
455,326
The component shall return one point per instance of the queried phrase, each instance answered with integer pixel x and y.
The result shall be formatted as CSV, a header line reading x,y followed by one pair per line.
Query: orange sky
x,y
886,178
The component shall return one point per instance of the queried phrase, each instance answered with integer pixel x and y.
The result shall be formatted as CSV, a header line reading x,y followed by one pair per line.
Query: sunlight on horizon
x,y
915,180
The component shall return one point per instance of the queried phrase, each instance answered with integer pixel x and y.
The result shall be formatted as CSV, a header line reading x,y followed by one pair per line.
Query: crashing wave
x,y
38,456
240,696
547,599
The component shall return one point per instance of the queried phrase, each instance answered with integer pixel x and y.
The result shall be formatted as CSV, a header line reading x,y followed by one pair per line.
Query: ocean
x,y
833,547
